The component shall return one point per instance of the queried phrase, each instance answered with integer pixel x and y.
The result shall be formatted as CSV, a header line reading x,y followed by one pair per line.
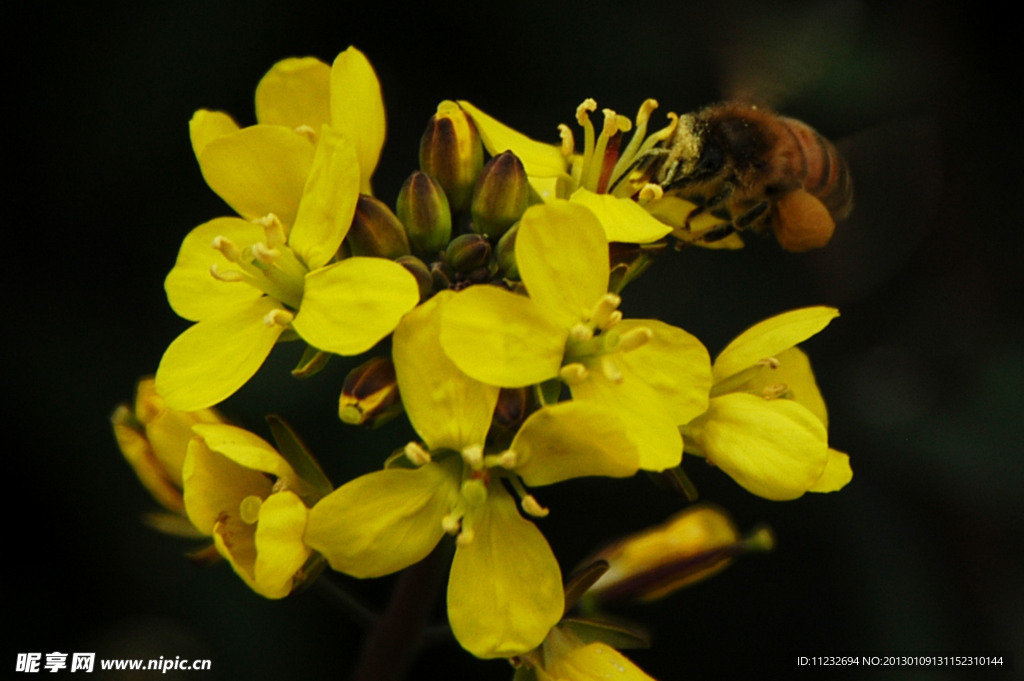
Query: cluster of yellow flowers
x,y
508,354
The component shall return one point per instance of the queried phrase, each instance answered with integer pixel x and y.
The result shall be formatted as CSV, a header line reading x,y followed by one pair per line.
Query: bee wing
x,y
766,55
897,171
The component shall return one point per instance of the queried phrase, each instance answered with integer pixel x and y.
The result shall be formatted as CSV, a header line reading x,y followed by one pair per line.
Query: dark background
x,y
920,554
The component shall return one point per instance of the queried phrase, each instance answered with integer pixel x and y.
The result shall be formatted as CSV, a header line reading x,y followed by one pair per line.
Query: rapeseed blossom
x,y
596,177
273,273
653,375
766,424
504,590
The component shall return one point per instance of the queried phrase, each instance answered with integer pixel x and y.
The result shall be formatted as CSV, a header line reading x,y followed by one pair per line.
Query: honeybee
x,y
750,169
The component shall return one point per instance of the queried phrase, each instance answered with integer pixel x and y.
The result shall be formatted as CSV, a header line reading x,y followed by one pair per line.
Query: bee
x,y
749,169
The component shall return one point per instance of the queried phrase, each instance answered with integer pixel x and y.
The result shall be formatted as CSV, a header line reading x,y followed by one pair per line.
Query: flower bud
x,y
376,231
154,439
505,253
694,544
510,411
468,252
500,195
451,151
423,208
369,395
419,269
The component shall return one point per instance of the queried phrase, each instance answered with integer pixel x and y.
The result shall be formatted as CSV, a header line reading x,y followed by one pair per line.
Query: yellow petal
x,y
357,109
674,364
193,292
562,257
216,356
206,126
505,588
295,92
642,410
543,160
775,449
501,338
837,473
770,337
446,407
246,449
236,541
622,219
259,170
349,306
573,439
595,662
215,485
152,473
383,522
280,551
328,201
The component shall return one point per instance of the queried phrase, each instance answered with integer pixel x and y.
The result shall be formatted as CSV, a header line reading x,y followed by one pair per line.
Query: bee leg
x,y
717,233
752,215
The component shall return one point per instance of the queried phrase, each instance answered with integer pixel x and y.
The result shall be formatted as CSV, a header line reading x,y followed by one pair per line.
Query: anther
x,y
635,338
581,333
465,537
770,362
610,370
573,374
774,391
451,523
226,275
532,507
650,192
584,109
603,316
307,132
568,141
508,459
416,454
644,114
273,230
227,248
278,317
265,255
473,455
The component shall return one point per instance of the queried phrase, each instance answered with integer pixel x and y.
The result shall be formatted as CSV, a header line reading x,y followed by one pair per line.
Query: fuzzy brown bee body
x,y
747,168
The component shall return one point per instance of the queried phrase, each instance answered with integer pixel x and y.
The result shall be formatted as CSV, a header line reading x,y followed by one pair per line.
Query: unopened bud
x,y
369,395
505,253
694,544
468,252
500,195
451,151
154,438
423,208
376,231
510,411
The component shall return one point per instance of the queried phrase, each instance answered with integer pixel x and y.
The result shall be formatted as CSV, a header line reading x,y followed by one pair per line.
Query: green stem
x,y
396,639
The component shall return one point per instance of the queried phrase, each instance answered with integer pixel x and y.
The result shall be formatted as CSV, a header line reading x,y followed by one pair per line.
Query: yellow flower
x,y
243,493
564,656
690,546
597,178
271,274
653,375
766,424
153,439
504,591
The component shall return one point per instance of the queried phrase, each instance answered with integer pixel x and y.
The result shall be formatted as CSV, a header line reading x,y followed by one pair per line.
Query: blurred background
x,y
920,554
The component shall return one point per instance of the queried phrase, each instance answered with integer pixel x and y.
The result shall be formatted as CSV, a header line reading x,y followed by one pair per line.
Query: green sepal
x,y
619,634
298,457
549,392
581,580
676,481
311,362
